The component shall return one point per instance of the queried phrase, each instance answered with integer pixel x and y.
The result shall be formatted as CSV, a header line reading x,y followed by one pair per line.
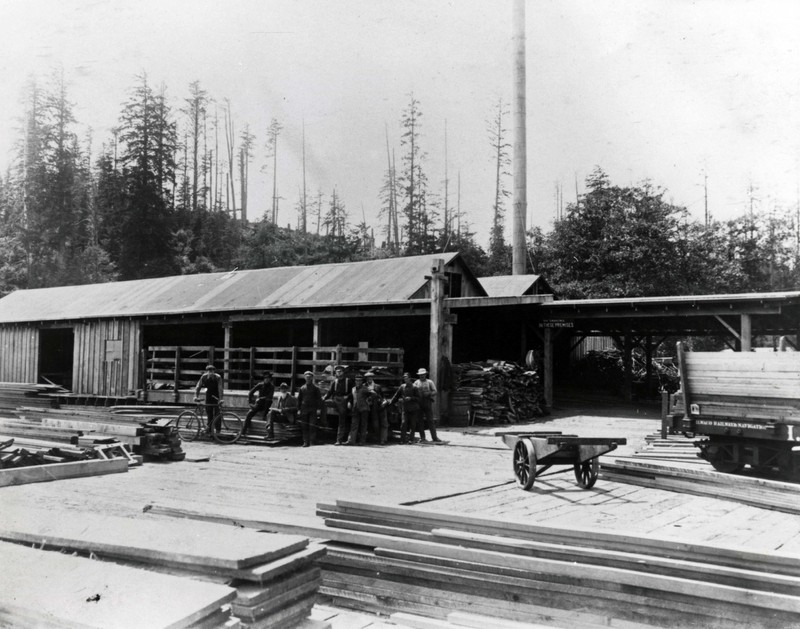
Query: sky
x,y
670,91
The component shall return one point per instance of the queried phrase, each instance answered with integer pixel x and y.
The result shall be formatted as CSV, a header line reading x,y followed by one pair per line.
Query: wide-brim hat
x,y
422,371
308,373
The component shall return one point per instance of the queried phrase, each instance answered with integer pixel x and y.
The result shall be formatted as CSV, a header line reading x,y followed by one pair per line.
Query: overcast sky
x,y
657,89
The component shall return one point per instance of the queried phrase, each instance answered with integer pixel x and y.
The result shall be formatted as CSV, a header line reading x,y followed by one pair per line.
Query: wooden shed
x,y
90,338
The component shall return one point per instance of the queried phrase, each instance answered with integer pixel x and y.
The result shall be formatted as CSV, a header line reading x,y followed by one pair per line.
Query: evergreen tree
x,y
499,252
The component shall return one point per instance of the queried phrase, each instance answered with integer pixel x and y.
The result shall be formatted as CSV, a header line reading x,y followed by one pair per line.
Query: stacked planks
x,y
25,461
274,578
432,563
14,394
40,588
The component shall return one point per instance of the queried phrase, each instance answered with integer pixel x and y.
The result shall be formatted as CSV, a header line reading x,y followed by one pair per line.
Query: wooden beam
x,y
729,327
746,334
437,337
548,367
57,471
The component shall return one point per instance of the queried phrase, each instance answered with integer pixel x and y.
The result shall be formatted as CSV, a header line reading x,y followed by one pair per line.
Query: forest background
x,y
167,194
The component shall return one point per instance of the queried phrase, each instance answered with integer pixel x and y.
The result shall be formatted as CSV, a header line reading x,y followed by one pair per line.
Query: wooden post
x,y
548,367
436,346
177,374
520,168
683,371
746,333
627,361
227,353
648,368
294,368
315,341
252,369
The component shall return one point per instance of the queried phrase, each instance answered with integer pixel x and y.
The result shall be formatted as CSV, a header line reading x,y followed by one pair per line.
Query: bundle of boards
x,y
209,575
432,563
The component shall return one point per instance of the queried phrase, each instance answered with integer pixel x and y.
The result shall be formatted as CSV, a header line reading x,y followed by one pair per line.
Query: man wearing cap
x,y
408,396
379,425
427,395
284,407
338,392
359,404
309,399
264,390
212,382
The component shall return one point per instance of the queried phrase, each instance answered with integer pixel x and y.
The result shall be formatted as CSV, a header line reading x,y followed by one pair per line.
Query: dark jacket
x,y
359,398
213,385
263,390
408,396
309,398
340,387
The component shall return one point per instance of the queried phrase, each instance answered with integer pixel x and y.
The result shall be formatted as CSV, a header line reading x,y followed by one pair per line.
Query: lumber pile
x,y
34,461
500,391
273,577
40,588
431,563
702,480
146,434
605,370
14,394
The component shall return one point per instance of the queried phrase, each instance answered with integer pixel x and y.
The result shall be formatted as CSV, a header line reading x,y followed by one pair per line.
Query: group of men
x,y
359,403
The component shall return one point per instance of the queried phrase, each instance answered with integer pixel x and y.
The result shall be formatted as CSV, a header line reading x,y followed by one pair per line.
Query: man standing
x,y
264,390
338,392
309,399
212,382
359,404
379,424
284,408
427,395
408,396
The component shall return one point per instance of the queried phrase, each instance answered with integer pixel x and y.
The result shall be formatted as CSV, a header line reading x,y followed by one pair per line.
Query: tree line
x,y
167,193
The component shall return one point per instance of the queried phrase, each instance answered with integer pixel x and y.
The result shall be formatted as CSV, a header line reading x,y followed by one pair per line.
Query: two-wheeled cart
x,y
537,452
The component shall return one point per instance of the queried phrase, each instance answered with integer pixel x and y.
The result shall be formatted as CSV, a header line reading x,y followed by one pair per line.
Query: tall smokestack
x,y
520,150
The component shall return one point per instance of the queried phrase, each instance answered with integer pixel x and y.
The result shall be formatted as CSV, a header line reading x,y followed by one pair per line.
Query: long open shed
x,y
94,339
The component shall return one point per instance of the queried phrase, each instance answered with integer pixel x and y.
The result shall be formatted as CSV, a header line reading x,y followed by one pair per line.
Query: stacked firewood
x,y
500,391
605,369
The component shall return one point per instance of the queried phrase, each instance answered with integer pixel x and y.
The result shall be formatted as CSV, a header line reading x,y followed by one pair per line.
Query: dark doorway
x,y
55,356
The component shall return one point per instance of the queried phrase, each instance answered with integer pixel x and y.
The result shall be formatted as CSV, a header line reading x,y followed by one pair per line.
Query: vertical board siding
x,y
92,373
20,353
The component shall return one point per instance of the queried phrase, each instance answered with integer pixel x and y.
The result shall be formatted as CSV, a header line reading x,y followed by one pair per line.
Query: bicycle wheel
x,y
188,424
229,428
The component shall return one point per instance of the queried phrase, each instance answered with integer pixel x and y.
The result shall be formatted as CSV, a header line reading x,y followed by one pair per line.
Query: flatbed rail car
x,y
537,452
744,407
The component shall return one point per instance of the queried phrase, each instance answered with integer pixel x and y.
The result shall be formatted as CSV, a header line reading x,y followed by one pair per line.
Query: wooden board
x,y
187,542
43,588
59,471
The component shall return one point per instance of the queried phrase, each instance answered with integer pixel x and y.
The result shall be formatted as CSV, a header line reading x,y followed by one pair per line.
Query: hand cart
x,y
537,452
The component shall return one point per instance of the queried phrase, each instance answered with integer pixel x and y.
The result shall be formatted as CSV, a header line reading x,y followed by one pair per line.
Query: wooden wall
x,y
19,345
106,358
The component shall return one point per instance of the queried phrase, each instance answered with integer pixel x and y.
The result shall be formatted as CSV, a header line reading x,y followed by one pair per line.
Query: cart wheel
x,y
586,472
524,464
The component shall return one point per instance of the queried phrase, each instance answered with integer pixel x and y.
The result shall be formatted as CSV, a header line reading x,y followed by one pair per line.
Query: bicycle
x,y
227,426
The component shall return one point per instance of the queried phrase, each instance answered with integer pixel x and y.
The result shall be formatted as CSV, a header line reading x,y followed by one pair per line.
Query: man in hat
x,y
264,391
359,404
284,409
338,392
379,425
212,383
309,399
427,396
408,396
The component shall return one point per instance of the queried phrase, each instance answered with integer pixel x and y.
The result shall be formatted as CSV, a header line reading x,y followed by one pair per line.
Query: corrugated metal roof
x,y
350,283
507,285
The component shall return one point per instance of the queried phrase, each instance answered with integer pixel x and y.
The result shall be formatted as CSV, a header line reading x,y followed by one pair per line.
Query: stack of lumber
x,y
40,588
401,559
273,576
32,461
673,448
702,480
14,394
500,391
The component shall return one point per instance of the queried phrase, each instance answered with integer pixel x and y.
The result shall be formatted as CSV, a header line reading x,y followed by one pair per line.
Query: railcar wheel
x,y
524,464
586,473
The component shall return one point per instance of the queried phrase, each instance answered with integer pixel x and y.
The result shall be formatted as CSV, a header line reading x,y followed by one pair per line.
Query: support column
x,y
438,336
548,367
227,359
746,333
627,361
315,342
648,368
